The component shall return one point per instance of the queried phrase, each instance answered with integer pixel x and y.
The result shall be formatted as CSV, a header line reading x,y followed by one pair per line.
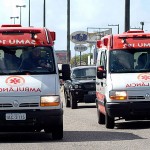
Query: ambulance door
x,y
101,83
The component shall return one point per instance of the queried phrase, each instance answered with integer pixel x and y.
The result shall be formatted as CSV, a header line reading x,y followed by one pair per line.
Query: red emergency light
x,y
11,25
98,44
135,31
53,35
105,41
16,30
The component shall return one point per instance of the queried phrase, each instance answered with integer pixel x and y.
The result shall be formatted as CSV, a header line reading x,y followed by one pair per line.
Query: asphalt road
x,y
82,132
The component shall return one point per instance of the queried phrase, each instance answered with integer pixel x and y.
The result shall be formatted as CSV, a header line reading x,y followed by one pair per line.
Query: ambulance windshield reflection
x,y
129,61
22,60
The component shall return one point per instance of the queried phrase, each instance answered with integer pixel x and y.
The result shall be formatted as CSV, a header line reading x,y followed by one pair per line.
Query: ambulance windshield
x,y
136,60
26,60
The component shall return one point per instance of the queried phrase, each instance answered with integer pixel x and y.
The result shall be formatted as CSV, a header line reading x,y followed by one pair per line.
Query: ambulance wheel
x,y
101,117
67,102
109,121
57,133
73,102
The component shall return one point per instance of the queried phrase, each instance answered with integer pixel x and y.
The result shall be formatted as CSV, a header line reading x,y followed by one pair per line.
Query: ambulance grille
x,y
29,105
6,105
136,97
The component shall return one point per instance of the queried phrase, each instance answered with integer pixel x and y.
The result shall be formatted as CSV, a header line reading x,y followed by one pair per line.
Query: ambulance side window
x,y
103,59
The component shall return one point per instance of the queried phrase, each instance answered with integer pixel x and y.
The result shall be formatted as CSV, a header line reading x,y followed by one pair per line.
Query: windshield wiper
x,y
130,71
142,70
90,76
123,71
24,72
2,73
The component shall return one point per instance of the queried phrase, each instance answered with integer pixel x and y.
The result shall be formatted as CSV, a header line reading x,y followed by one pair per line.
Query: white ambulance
x,y
29,81
123,77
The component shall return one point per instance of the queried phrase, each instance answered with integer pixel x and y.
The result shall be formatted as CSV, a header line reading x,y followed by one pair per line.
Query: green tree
x,y
84,59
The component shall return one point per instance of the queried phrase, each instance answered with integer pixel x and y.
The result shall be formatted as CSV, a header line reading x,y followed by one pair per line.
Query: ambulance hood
x,y
27,85
130,81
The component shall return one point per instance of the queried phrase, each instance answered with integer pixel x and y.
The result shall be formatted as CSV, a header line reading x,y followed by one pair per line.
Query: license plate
x,y
16,116
91,92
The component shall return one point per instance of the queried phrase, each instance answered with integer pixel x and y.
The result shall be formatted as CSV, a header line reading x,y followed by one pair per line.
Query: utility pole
x,y
14,18
68,31
142,23
75,59
29,13
127,15
44,16
20,6
114,25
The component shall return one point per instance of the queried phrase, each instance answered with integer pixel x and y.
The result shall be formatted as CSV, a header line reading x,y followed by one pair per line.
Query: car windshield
x,y
129,61
84,72
26,60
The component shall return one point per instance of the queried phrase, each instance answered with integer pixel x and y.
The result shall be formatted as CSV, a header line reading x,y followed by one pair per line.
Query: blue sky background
x,y
84,14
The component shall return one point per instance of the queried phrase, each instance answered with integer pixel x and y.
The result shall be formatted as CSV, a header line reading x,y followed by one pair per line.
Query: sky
x,y
84,15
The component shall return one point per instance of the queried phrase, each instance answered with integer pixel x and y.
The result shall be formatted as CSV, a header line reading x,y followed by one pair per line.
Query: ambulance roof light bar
x,y
11,25
133,36
134,31
19,30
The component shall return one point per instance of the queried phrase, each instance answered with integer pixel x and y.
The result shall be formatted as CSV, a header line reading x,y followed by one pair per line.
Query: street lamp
x,y
44,16
29,13
20,6
68,32
114,25
127,15
14,18
142,23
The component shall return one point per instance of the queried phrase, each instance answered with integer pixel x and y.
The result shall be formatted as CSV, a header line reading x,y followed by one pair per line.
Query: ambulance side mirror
x,y
101,73
65,71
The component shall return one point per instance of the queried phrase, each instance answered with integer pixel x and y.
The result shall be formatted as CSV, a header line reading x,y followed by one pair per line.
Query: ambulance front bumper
x,y
127,109
34,120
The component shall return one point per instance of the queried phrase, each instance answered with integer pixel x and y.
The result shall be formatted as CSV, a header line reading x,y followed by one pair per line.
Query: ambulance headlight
x,y
50,101
118,95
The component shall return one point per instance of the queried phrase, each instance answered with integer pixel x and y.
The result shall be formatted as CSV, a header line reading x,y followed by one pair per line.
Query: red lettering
x,y
20,89
27,89
38,90
5,89
137,85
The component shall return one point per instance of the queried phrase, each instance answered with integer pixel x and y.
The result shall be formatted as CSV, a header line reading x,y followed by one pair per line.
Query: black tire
x,y
67,102
109,121
56,130
57,133
73,102
101,117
